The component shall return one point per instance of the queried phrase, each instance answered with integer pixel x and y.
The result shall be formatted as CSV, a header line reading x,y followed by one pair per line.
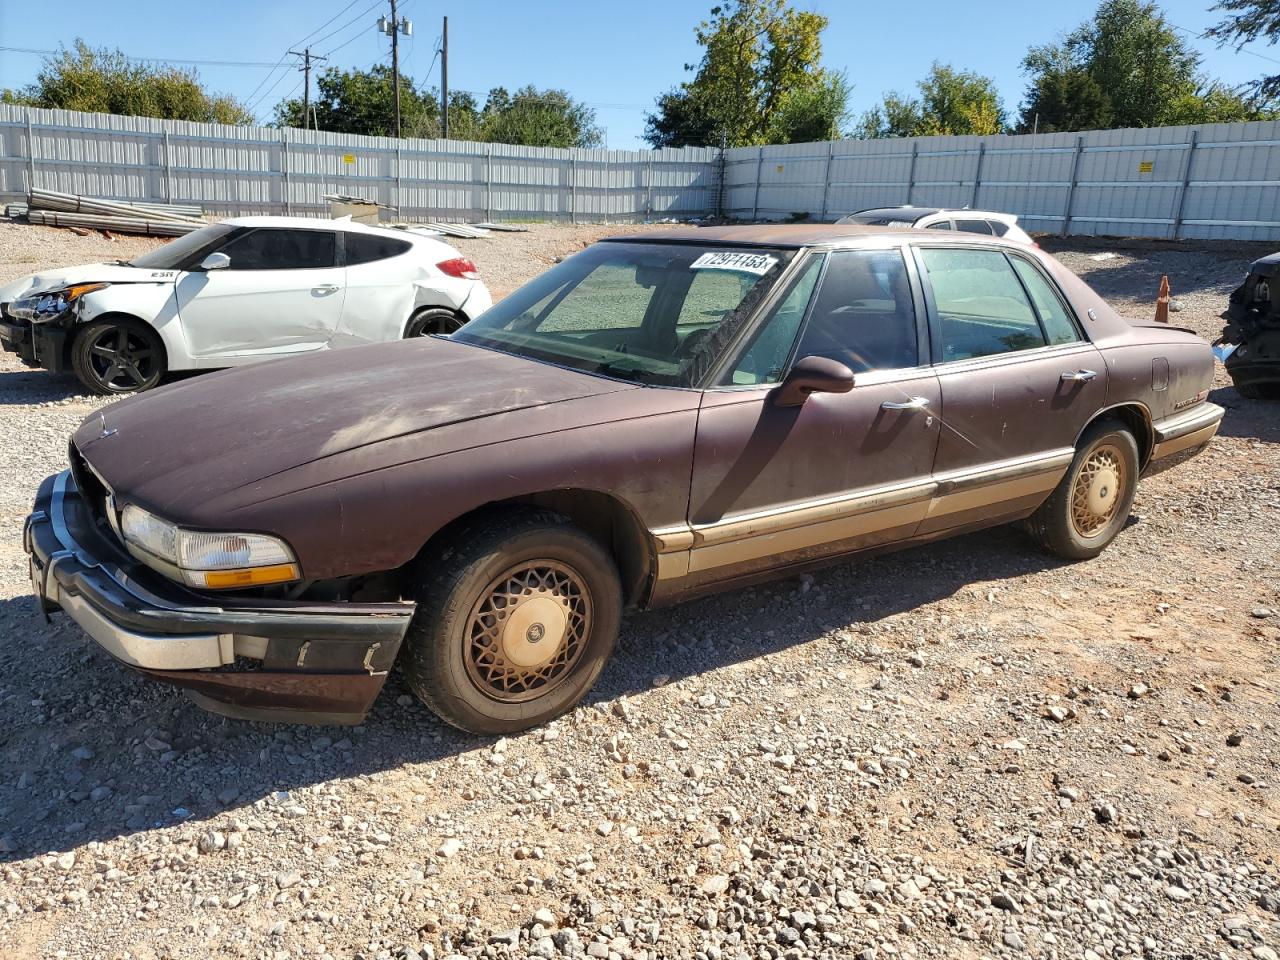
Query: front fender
x,y
151,303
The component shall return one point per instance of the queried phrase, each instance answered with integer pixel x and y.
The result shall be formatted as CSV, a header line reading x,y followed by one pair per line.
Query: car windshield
x,y
176,253
652,313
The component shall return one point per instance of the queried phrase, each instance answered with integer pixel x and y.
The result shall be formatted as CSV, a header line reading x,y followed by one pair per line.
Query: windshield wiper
x,y
625,370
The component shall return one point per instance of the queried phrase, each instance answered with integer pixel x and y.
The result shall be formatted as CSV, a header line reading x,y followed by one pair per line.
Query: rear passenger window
x,y
1057,322
940,225
998,227
982,308
365,248
974,226
864,316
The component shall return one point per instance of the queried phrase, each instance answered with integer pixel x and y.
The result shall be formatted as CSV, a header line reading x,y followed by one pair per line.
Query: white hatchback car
x,y
236,292
937,218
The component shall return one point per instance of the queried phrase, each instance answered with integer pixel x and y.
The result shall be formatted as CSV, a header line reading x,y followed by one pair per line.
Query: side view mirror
x,y
215,261
812,375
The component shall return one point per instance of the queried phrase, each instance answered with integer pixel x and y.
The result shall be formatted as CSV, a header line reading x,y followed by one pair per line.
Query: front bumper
x,y
250,658
36,344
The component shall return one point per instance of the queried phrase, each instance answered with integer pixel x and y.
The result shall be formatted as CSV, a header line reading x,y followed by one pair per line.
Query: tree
x,y
106,81
362,101
759,81
951,102
1126,67
1247,20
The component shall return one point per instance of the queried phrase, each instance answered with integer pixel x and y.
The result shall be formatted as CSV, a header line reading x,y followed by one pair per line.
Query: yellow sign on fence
x,y
348,158
1146,166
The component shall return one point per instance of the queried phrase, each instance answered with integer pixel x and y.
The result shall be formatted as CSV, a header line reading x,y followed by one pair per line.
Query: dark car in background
x,y
652,419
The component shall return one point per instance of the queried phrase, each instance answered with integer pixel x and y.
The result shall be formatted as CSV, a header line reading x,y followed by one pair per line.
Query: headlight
x,y
209,560
46,306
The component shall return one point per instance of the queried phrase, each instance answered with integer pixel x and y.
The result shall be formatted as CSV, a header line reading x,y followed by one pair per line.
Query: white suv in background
x,y
936,218
236,292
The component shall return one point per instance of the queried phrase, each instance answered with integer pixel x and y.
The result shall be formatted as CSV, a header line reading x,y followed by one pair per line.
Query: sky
x,y
615,56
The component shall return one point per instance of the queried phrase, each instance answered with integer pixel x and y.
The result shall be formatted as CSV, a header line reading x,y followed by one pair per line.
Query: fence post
x,y
911,170
31,154
1071,188
826,180
755,203
1186,182
977,175
284,168
573,189
168,169
608,187
399,169
488,183
648,187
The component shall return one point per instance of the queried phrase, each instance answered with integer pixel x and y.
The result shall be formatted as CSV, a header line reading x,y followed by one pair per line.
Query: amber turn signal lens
x,y
248,577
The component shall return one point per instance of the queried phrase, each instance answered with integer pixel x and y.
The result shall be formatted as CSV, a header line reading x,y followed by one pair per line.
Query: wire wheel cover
x,y
121,359
1096,493
528,630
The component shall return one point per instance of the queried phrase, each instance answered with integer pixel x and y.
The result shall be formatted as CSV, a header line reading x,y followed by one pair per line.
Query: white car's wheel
x,y
430,321
118,355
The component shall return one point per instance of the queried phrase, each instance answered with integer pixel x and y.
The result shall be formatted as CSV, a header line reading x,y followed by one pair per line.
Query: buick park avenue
x,y
655,418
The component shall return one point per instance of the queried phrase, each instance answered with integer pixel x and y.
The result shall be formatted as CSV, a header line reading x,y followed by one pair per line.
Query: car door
x,y
1019,381
282,293
381,276
776,485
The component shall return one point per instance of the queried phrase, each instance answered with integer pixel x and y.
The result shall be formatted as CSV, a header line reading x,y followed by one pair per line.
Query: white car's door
x,y
282,293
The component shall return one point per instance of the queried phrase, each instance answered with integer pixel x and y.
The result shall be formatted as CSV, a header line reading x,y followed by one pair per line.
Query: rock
x,y
83,753
545,917
66,860
1138,690
448,848
846,899
1235,739
1005,902
211,841
228,796
803,919
1105,813
288,878
1060,714
715,884
1177,893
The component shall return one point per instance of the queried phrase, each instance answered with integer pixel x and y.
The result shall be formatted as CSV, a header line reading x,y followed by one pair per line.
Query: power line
x,y
197,63
1201,36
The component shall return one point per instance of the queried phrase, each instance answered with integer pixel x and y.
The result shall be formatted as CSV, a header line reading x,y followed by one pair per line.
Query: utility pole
x,y
444,79
393,28
307,56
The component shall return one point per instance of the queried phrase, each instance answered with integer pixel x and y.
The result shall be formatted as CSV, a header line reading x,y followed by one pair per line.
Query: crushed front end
x,y
250,657
1250,343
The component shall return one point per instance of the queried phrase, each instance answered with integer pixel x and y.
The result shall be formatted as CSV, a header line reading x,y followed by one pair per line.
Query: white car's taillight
x,y
460,267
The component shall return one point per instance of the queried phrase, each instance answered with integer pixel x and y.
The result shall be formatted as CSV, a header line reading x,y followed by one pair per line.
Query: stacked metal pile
x,y
55,209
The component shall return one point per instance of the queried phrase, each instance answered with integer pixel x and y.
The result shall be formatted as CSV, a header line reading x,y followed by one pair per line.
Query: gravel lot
x,y
963,750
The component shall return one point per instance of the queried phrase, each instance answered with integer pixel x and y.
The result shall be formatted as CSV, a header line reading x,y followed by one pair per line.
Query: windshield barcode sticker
x,y
757,263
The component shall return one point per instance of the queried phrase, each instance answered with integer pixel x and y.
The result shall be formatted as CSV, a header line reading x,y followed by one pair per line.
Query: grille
x,y
93,492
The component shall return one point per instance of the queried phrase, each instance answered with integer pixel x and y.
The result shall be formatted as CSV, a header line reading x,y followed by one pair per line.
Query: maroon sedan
x,y
655,418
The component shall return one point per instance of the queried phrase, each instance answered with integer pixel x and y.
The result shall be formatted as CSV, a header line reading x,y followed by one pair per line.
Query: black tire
x,y
118,355
457,653
1080,519
430,321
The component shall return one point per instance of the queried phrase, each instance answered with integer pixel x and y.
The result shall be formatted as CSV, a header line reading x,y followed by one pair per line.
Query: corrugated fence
x,y
246,170
1212,181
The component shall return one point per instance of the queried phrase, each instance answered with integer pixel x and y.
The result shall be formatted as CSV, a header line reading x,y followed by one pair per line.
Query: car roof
x,y
901,213
791,235
318,223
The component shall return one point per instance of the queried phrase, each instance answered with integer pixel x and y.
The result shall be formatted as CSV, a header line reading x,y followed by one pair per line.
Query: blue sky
x,y
613,55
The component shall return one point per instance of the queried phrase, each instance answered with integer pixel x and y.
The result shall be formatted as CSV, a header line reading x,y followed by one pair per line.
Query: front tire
x,y
518,612
432,321
118,355
1091,504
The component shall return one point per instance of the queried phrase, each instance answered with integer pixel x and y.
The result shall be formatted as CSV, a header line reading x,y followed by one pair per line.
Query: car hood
x,y
88,273
176,449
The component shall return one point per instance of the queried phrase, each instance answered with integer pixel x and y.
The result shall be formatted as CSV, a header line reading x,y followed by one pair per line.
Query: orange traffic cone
x,y
1162,301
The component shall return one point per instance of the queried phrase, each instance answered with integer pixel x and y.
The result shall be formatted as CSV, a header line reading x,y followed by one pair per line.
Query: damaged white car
x,y
236,292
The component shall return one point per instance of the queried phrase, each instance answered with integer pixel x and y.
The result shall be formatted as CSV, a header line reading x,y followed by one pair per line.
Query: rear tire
x,y
431,321
1092,502
518,612
118,355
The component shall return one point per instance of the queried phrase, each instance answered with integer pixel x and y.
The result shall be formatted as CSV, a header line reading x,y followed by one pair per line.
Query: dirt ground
x,y
962,750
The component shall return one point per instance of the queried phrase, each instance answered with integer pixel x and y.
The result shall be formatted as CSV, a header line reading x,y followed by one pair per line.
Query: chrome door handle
x,y
327,288
1079,376
915,403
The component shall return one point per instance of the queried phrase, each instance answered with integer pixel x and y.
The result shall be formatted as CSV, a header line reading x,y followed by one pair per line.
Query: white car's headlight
x,y
210,560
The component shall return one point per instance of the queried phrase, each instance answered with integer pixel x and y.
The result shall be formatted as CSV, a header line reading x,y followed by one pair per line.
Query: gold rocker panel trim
x,y
690,548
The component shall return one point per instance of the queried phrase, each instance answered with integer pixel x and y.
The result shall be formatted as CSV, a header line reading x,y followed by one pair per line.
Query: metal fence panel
x,y
1215,181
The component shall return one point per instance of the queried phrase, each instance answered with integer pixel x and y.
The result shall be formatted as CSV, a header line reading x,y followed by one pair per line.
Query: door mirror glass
x,y
215,261
812,375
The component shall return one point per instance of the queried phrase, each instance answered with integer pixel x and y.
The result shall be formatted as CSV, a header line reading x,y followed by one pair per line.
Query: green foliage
x,y
1248,20
106,81
1127,67
758,81
951,102
362,101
